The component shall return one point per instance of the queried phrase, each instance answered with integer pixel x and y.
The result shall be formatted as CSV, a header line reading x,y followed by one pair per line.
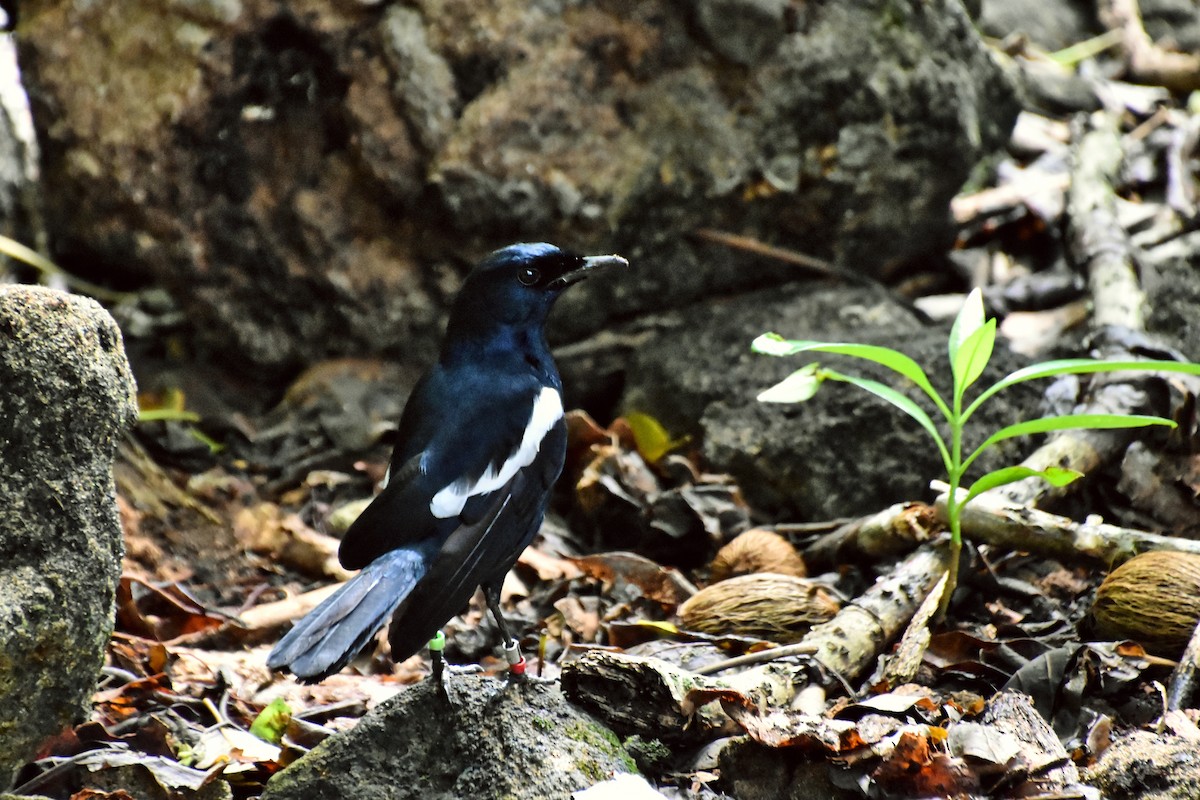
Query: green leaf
x,y
900,401
1078,366
652,439
272,721
1068,422
801,385
972,357
1088,48
1055,476
773,344
167,414
969,320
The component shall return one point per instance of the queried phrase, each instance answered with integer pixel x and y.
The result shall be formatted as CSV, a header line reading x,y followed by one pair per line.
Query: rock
x,y
20,193
67,397
1146,766
743,31
1174,24
1051,25
313,179
751,771
497,741
842,453
624,787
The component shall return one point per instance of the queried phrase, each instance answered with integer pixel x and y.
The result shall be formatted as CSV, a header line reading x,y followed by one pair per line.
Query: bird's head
x,y
518,284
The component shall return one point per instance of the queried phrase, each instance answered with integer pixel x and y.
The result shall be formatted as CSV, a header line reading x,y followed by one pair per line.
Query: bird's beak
x,y
591,265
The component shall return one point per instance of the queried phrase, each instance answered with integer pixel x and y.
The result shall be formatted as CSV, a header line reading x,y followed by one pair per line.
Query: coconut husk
x,y
779,608
1153,599
758,550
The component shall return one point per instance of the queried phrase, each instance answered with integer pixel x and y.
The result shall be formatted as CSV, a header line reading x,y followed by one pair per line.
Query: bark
x,y
990,520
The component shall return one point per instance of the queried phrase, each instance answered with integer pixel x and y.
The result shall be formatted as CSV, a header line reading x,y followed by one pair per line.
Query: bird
x,y
481,441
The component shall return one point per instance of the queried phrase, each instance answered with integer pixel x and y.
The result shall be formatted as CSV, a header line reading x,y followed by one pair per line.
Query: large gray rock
x,y
843,453
312,179
495,741
1052,24
66,395
1145,766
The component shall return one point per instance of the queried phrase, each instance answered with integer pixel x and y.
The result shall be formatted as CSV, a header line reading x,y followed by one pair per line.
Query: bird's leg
x,y
512,650
436,645
442,669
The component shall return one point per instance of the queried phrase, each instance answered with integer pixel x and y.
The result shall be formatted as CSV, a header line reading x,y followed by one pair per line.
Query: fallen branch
x,y
1183,678
885,534
989,520
1096,240
1084,450
847,644
653,698
1146,61
273,615
1099,245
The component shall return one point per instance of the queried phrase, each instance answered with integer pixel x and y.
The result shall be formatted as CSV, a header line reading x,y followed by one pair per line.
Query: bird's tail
x,y
332,634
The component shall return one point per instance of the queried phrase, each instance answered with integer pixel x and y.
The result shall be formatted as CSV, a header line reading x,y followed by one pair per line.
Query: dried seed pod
x,y
780,608
757,550
1153,598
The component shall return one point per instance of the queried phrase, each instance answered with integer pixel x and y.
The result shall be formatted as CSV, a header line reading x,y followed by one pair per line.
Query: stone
x,y
1051,25
494,741
312,180
845,452
1147,766
751,771
67,396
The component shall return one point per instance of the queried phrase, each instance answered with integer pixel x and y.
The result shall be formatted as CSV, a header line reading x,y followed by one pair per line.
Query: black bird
x,y
481,441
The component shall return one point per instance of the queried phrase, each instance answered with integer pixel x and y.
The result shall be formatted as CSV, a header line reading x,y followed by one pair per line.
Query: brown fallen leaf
x,y
660,584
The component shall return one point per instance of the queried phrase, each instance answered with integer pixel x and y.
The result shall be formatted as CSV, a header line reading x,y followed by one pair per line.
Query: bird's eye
x,y
529,276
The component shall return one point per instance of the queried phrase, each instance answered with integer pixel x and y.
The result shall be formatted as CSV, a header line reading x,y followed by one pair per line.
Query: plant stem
x,y
952,512
953,509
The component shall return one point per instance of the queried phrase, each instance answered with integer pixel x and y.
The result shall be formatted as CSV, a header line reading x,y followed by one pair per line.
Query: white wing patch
x,y
547,411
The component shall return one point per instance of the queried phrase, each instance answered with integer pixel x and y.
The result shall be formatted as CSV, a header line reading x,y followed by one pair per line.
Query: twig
x,y
1097,242
1099,245
1147,62
755,247
1183,678
819,266
272,615
770,654
14,249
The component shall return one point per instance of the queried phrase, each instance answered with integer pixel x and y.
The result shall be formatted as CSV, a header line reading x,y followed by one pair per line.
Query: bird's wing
x,y
462,444
475,553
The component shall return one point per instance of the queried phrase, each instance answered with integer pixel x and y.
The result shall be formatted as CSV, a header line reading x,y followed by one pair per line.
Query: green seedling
x,y
972,339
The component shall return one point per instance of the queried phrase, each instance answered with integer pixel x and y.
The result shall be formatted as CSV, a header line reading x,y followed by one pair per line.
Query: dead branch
x,y
854,638
1083,450
273,615
1096,240
885,534
1014,714
1147,62
608,683
1183,679
1098,244
996,200
990,520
